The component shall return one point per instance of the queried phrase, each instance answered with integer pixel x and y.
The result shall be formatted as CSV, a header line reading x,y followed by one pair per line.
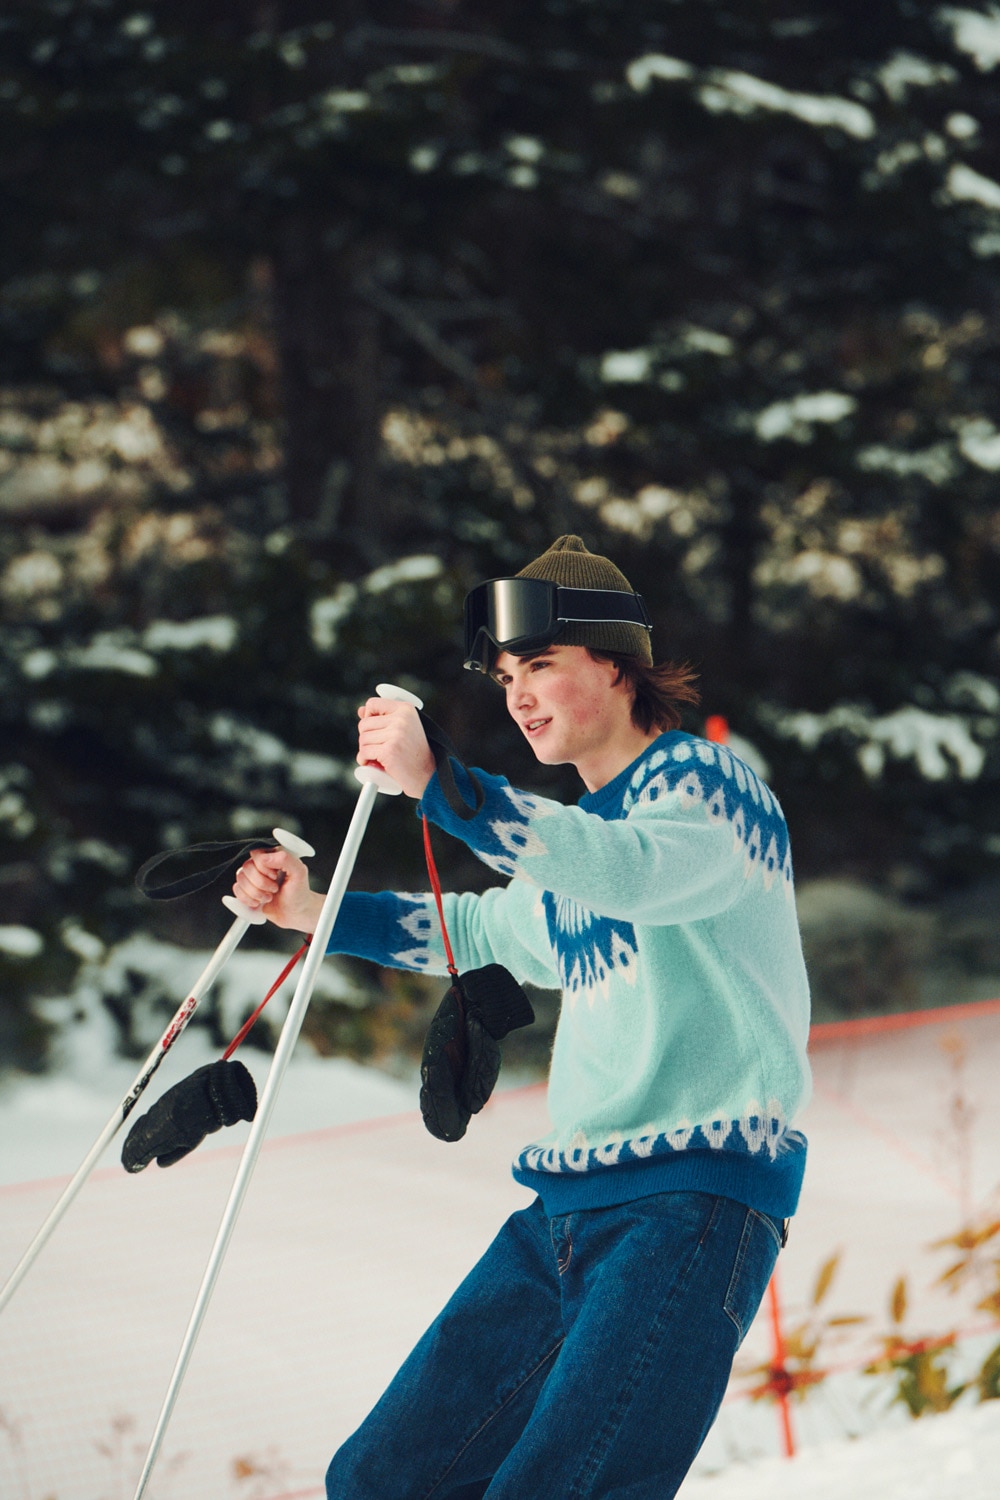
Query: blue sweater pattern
x,y
590,948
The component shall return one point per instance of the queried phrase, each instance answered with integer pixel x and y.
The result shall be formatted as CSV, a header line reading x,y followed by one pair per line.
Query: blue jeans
x,y
584,1356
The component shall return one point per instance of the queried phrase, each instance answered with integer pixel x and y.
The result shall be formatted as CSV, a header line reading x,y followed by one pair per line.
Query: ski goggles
x,y
522,615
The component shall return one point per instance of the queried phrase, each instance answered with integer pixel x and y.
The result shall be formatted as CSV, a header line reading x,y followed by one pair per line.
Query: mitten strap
x,y
436,888
495,998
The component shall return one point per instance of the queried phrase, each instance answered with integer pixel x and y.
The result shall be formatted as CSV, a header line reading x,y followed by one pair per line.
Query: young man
x,y
586,1355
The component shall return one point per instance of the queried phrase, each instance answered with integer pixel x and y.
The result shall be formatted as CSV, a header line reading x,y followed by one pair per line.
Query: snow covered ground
x,y
952,1457
358,1225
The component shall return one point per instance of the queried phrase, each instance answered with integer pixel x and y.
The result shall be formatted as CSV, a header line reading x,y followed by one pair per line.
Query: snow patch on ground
x,y
354,1233
47,1124
953,1457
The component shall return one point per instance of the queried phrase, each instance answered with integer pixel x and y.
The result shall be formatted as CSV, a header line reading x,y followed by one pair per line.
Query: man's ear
x,y
618,678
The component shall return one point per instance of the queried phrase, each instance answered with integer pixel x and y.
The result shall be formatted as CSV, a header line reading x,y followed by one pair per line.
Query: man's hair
x,y
657,691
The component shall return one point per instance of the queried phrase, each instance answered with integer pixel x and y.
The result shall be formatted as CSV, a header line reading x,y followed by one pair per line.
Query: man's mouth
x,y
532,726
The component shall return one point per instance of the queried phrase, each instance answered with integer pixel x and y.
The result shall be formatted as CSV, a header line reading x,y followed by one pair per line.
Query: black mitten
x,y
218,1094
461,1061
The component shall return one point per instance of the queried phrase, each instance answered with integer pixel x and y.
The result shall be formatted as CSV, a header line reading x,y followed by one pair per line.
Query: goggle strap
x,y
593,605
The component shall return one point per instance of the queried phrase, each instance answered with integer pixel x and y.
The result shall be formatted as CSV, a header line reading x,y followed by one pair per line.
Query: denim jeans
x,y
584,1356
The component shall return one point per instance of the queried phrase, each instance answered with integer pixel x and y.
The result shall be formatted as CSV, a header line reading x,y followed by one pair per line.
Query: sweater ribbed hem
x,y
770,1186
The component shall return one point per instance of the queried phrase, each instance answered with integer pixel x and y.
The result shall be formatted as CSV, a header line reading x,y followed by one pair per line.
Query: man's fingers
x,y
269,860
375,734
261,877
251,890
258,881
372,708
391,736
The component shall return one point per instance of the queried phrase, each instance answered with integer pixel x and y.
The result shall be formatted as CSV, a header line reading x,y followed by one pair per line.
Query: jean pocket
x,y
778,1227
755,1258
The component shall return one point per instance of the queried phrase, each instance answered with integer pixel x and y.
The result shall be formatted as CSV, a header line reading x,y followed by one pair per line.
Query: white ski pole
x,y
374,781
244,919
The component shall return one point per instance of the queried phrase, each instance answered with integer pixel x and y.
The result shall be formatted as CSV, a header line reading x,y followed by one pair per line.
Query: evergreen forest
x,y
313,316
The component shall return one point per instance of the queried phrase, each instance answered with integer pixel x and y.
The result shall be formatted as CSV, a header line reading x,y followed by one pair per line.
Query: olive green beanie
x,y
569,564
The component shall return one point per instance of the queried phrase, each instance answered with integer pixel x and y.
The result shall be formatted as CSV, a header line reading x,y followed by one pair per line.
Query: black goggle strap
x,y
444,753
612,605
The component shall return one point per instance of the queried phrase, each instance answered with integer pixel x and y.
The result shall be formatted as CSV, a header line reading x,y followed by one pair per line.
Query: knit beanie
x,y
569,564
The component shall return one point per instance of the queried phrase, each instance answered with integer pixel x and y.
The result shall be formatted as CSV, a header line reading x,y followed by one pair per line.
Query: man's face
x,y
566,704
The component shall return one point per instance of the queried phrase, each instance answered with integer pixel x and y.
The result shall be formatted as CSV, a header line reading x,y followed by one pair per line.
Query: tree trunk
x,y
328,341
742,537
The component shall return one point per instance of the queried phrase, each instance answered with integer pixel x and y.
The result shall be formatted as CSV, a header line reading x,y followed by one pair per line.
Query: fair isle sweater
x,y
662,906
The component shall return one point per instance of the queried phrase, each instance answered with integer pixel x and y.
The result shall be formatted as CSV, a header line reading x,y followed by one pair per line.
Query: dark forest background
x,y
313,316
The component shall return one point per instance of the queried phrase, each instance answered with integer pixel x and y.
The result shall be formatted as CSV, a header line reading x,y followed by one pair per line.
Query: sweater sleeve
x,y
402,931
695,825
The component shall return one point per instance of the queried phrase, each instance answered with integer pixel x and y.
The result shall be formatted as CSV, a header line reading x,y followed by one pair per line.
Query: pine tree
x,y
711,284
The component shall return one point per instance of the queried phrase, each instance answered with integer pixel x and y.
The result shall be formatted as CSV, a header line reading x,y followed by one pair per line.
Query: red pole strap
x,y
245,1028
452,969
436,888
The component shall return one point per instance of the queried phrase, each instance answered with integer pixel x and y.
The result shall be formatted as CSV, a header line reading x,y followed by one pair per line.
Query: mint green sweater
x,y
663,908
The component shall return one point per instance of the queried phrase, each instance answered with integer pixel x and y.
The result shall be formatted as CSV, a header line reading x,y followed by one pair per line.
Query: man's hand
x,y
391,736
277,883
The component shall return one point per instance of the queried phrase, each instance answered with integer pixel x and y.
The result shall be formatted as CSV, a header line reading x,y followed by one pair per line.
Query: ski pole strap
x,y
212,861
436,888
444,753
276,986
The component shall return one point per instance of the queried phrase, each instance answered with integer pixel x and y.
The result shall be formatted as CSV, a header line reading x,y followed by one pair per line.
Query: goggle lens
x,y
508,612
515,611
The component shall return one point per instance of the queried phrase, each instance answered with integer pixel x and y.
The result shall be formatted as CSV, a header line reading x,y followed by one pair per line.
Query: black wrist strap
x,y
444,753
212,861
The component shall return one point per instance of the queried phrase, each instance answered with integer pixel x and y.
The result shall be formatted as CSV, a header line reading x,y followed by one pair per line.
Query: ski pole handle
x,y
294,845
401,695
373,775
204,982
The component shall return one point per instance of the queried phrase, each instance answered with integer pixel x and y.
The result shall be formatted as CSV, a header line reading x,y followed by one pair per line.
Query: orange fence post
x,y
780,1380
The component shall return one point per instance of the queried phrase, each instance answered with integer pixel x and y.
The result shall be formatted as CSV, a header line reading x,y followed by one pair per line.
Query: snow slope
x,y
356,1229
953,1457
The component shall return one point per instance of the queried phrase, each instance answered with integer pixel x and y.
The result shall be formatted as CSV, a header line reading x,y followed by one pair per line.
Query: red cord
x,y
244,1029
436,888
452,969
